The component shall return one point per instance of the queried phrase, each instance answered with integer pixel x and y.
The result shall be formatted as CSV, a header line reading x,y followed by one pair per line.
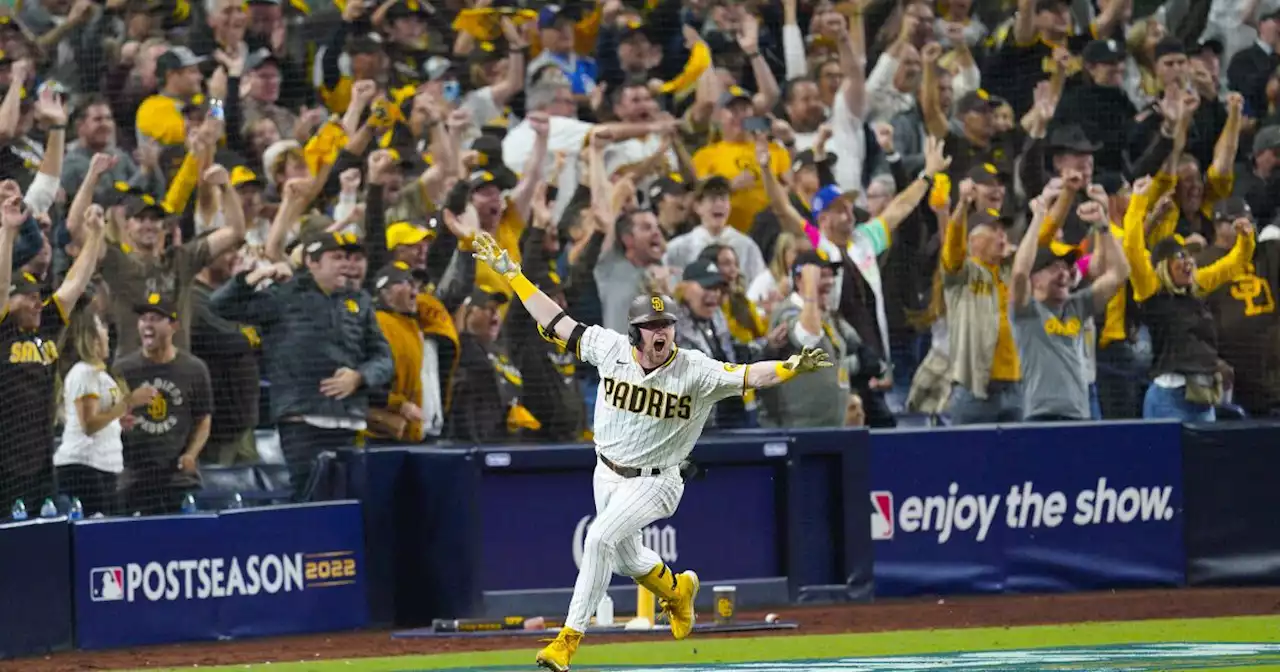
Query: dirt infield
x,y
882,616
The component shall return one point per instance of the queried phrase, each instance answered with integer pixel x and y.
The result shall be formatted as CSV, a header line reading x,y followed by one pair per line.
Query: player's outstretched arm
x,y
770,373
540,306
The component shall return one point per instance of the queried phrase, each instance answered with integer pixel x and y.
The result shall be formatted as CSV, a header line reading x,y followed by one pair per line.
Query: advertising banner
x,y
1034,508
1233,533
256,572
35,580
535,524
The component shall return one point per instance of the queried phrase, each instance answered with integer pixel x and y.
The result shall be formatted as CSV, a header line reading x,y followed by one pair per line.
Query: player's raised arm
x,y
540,306
774,372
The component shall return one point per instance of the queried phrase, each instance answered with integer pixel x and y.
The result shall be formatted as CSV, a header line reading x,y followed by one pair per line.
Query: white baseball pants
x,y
624,507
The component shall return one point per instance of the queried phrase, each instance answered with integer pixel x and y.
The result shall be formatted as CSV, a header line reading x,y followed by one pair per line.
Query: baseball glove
x,y
491,254
809,359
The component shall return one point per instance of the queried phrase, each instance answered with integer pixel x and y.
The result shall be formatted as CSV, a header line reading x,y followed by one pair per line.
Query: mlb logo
x,y
881,515
106,584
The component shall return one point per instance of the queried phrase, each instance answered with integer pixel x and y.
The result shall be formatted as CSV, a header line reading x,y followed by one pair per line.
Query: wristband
x,y
928,179
784,374
523,288
752,55
59,127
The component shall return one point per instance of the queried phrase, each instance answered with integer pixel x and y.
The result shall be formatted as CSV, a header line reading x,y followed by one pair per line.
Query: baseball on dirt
x,y
771,618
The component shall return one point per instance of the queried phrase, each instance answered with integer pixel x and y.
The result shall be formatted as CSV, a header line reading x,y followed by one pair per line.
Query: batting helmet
x,y
648,308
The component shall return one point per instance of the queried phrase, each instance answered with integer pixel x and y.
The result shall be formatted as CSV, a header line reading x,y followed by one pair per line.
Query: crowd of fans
x,y
983,212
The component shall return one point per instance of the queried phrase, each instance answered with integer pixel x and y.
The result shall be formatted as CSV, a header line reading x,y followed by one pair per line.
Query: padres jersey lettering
x,y
653,420
640,399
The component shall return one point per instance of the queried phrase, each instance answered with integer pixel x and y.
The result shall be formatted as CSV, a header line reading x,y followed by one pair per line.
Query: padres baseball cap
x,y
817,258
734,94
1103,52
1047,256
705,273
405,233
986,174
988,217
976,101
667,185
648,308
242,176
138,206
321,241
1231,209
393,273
176,58
482,296
24,283
155,303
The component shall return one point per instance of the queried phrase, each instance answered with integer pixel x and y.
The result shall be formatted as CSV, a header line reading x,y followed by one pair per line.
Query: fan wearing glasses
x,y
1187,372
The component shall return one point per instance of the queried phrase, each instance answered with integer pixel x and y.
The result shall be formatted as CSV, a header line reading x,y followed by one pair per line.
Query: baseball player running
x,y
652,404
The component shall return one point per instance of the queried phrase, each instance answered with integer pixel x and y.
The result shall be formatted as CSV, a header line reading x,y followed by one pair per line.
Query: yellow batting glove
x,y
809,359
488,251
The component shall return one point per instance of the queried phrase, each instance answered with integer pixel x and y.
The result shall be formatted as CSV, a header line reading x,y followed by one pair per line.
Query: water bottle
x,y
19,511
189,504
604,612
48,509
237,502
77,509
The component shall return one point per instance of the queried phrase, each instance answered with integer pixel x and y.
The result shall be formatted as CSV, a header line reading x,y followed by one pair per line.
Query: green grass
x,y
1243,629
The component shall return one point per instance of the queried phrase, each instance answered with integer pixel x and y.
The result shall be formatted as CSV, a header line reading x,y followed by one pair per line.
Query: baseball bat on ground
x,y
488,624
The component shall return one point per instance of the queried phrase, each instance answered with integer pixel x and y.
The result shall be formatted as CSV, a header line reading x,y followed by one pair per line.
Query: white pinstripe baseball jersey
x,y
653,420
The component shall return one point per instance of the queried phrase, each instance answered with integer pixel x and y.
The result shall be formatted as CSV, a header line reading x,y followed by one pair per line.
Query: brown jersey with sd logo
x,y
1249,324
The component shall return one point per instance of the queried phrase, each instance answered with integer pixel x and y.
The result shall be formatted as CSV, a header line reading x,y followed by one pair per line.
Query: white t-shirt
x,y
848,142
684,249
653,420
567,135
102,451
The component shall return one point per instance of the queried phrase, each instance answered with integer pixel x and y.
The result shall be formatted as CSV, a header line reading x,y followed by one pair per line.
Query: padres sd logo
x,y
724,607
658,305
158,408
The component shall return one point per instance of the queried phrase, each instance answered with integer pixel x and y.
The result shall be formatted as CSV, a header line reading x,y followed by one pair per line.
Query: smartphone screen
x,y
756,125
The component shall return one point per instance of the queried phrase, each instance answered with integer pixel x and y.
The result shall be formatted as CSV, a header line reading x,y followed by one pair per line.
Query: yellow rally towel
x,y
941,191
322,148
519,417
687,80
483,24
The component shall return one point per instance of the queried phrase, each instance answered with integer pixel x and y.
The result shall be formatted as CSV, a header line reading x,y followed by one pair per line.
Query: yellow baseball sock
x,y
660,581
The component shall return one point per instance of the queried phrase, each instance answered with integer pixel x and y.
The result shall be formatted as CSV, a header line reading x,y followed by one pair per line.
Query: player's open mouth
x,y
659,344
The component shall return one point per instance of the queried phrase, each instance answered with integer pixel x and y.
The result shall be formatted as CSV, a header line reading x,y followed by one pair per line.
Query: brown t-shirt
x,y
132,277
164,426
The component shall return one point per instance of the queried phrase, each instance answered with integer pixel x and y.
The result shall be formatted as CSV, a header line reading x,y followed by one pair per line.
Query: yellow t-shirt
x,y
1005,365
160,118
730,159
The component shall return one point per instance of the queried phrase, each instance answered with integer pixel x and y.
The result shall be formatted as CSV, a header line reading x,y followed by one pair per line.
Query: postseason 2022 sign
x,y
272,571
1027,509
